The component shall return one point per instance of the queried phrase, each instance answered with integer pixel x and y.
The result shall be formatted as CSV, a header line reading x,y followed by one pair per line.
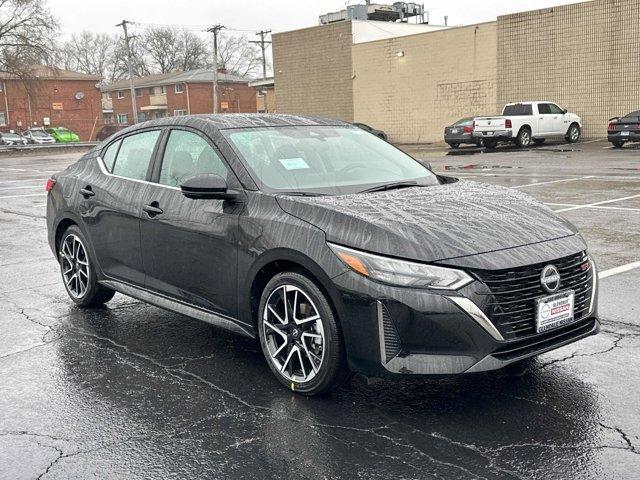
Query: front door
x,y
546,123
189,247
110,201
558,116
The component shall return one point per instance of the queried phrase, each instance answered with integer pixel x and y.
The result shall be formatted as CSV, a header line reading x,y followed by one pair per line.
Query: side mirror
x,y
207,186
564,111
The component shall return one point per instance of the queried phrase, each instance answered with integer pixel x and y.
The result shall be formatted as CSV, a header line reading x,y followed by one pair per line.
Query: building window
x,y
179,87
3,118
138,92
179,113
163,88
120,94
142,117
122,118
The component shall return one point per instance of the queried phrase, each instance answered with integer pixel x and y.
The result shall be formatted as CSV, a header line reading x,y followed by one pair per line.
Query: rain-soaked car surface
x,y
341,253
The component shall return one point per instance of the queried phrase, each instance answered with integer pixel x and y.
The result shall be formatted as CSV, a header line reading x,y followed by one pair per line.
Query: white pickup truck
x,y
526,122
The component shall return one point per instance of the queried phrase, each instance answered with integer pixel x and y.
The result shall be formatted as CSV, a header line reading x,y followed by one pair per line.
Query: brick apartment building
x,y
177,93
51,97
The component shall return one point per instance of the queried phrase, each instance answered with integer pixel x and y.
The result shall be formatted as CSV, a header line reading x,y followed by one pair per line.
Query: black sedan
x,y
336,250
371,130
461,132
625,129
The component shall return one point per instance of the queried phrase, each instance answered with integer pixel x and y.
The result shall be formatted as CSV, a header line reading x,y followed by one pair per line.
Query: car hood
x,y
432,224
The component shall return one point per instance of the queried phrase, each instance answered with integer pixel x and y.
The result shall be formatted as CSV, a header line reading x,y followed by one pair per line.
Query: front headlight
x,y
401,272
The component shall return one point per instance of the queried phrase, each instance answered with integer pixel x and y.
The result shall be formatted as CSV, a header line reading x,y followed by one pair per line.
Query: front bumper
x,y
392,331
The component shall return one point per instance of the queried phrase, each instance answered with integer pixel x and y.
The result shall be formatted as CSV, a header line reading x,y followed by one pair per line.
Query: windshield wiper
x,y
303,194
390,186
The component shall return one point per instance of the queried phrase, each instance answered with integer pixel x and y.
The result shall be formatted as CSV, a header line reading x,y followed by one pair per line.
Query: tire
x,y
75,264
490,144
573,134
523,140
539,141
617,144
454,145
308,358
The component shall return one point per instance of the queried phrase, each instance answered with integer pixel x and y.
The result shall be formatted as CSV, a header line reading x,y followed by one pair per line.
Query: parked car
x,y
12,139
461,132
63,135
106,131
38,136
338,251
367,128
625,129
526,122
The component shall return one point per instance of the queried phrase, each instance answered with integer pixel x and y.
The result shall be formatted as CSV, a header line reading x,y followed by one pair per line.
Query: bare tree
x,y
89,52
27,31
162,48
195,52
236,55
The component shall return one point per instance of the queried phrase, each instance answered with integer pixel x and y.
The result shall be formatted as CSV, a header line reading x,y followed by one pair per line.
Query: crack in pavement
x,y
576,353
625,437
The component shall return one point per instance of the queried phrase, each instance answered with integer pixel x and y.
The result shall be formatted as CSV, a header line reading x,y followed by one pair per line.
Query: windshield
x,y
322,159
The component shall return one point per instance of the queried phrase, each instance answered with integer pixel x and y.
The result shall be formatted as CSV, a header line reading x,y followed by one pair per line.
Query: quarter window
x,y
109,156
135,155
187,155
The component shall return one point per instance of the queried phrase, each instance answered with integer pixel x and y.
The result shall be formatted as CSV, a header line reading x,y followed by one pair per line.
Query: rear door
x,y
109,204
189,247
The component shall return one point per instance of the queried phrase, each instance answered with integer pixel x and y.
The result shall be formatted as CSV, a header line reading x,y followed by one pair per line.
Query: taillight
x,y
468,129
612,126
507,123
49,185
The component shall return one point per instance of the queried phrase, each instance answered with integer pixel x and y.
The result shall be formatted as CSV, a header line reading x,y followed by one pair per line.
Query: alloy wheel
x,y
293,333
575,134
75,266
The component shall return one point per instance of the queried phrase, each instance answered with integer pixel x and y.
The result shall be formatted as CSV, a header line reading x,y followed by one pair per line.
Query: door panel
x,y
546,123
190,249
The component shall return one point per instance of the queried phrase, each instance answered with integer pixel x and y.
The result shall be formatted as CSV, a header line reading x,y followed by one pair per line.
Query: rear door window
x,y
135,155
187,155
518,109
109,156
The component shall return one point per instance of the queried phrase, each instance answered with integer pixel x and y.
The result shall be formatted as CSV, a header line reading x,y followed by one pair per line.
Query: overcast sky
x,y
278,15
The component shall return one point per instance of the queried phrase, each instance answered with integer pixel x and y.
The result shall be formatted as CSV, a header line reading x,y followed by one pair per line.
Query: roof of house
x,y
191,76
50,73
263,82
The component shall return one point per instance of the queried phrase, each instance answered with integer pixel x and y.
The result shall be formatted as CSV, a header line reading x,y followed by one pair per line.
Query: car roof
x,y
228,121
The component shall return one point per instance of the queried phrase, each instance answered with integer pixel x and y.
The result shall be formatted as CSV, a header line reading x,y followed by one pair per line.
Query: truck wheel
x,y
617,144
453,144
490,144
539,141
573,134
523,139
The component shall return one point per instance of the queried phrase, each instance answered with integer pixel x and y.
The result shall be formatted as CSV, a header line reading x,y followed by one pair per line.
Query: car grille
x,y
511,303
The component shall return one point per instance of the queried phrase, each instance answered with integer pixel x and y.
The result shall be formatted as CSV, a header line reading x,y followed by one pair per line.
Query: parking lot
x,y
133,391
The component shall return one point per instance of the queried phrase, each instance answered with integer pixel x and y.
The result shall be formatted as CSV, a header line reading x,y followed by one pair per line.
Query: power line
x,y
263,46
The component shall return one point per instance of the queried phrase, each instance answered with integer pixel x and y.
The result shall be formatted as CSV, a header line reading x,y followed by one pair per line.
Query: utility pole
x,y
216,31
263,46
127,39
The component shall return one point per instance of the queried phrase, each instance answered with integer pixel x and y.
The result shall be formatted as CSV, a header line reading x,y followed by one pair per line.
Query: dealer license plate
x,y
555,310
624,134
488,134
454,130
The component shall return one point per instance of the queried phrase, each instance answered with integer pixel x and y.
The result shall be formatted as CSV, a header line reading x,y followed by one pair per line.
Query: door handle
x,y
86,192
152,209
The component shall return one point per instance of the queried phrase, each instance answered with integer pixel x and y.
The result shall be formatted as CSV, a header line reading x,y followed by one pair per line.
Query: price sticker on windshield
x,y
294,163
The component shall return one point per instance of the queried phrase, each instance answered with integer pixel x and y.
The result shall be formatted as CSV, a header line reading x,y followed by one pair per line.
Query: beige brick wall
x,y
443,76
312,70
585,57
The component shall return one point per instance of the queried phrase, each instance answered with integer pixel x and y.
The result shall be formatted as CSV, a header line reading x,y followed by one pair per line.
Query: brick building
x,y
582,56
177,93
51,97
265,95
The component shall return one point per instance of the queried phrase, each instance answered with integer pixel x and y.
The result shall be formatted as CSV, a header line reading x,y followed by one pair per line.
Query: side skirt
x,y
167,303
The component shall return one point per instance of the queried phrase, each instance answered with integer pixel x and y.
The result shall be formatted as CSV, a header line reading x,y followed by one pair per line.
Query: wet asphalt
x,y
132,391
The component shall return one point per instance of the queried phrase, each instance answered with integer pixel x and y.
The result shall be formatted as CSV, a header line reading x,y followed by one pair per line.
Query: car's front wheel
x,y
300,336
78,273
573,134
617,144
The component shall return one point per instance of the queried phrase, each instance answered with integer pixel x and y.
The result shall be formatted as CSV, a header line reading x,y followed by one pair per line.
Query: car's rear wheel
x,y
573,134
453,144
78,273
523,140
299,335
617,144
